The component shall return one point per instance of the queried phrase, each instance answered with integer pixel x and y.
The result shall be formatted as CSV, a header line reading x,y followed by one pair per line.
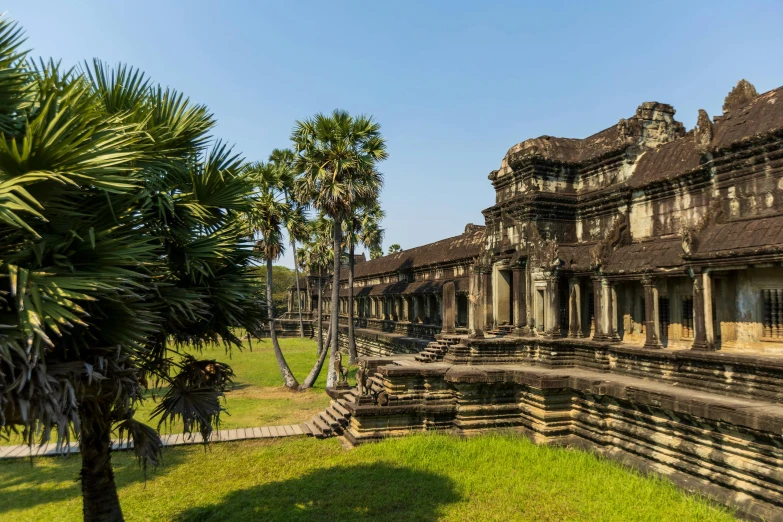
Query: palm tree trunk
x,y
320,315
288,376
298,297
313,375
351,341
100,502
331,377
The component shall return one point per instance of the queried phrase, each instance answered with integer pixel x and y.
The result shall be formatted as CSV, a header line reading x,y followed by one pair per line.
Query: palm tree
x,y
337,155
362,226
395,248
316,255
296,218
268,218
122,242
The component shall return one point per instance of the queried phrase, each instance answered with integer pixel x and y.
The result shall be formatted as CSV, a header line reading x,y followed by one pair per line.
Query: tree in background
x,y
395,248
316,255
375,253
371,234
362,226
268,219
337,156
122,241
282,281
296,219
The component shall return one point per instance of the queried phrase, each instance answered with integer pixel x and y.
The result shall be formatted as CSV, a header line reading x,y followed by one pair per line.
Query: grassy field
x,y
425,477
258,397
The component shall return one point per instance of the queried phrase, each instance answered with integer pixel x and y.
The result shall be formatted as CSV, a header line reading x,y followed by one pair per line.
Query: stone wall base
x,y
727,448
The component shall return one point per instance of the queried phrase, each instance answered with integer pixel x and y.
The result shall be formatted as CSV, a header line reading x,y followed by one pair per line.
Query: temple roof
x,y
761,115
429,286
760,235
465,245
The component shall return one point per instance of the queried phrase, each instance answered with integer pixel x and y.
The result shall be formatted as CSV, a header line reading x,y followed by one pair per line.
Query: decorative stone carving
x,y
658,124
743,92
619,235
690,233
382,398
703,130
361,379
342,371
544,253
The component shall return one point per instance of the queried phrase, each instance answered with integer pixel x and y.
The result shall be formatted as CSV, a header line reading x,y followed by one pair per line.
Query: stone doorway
x,y
503,296
462,310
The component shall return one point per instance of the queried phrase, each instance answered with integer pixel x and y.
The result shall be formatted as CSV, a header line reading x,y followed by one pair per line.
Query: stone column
x,y
598,305
553,312
709,326
416,309
475,312
652,324
615,331
449,308
486,298
703,339
406,308
574,308
519,280
609,316
699,335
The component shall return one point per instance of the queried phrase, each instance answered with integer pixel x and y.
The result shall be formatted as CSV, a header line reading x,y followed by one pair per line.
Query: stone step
x,y
376,381
329,420
342,410
310,429
323,429
337,416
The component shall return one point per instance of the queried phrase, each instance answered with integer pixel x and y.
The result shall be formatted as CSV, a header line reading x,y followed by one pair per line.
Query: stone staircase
x,y
435,351
333,420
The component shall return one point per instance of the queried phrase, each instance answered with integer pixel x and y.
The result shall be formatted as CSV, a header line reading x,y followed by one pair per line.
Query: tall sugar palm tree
x,y
361,226
337,156
316,256
296,219
371,233
268,218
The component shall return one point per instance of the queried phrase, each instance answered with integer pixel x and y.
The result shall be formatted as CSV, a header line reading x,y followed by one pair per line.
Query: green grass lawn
x,y
425,477
258,397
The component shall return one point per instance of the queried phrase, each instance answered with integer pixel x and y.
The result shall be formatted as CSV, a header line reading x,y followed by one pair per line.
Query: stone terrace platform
x,y
711,422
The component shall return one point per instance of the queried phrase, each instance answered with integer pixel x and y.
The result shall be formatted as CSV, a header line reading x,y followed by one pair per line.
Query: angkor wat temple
x,y
625,295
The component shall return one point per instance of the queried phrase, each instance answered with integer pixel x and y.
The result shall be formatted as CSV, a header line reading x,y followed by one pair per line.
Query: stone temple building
x,y
625,295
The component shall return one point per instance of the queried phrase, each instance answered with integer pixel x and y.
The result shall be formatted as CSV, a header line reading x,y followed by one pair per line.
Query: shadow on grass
x,y
54,479
364,492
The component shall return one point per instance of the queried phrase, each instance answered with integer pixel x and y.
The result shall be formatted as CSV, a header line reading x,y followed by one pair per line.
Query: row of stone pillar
x,y
304,300
703,325
605,327
415,309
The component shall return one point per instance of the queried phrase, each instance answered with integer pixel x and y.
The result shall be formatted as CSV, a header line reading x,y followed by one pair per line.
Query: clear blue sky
x,y
454,84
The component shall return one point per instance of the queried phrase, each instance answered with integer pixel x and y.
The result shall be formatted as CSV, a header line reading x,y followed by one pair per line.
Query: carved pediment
x,y
544,253
619,235
690,233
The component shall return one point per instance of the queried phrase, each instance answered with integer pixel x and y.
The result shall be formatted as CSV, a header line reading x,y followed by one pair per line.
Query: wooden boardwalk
x,y
179,439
